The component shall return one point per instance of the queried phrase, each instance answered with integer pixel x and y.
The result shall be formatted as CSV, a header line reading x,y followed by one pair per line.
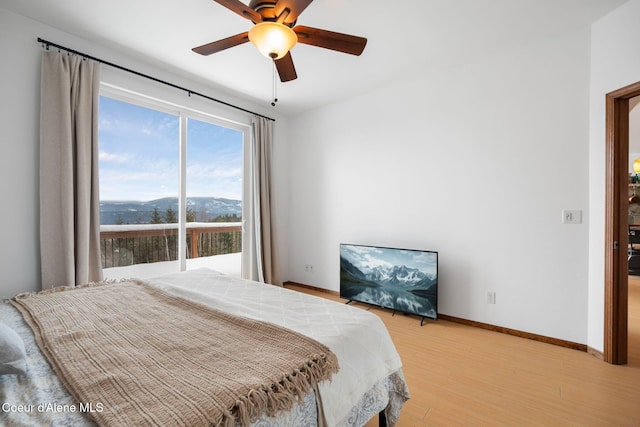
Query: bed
x,y
367,378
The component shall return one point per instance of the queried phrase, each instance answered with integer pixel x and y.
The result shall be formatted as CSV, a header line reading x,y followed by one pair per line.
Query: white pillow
x,y
12,352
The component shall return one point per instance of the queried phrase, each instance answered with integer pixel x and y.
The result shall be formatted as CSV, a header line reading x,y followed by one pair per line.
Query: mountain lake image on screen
x,y
404,280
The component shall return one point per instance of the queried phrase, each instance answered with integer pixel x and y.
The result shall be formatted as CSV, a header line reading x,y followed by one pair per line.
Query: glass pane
x,y
139,184
214,197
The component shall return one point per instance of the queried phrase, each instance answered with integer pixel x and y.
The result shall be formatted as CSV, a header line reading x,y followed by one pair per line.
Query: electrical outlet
x,y
308,268
491,297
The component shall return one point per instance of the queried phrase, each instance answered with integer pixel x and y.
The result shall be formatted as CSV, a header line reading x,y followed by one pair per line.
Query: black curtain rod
x,y
119,67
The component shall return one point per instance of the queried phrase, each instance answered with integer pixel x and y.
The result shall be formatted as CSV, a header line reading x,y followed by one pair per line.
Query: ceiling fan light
x,y
272,39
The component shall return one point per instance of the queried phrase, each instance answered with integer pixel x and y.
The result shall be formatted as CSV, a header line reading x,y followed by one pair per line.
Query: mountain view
x,y
397,287
402,276
199,209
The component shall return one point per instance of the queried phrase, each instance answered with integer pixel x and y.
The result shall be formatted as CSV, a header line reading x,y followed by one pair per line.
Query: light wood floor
x,y
464,376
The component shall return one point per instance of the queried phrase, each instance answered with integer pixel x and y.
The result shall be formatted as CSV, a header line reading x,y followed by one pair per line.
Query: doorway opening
x,y
617,224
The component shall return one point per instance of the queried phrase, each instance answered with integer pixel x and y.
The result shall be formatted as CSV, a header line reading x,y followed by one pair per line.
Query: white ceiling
x,y
405,38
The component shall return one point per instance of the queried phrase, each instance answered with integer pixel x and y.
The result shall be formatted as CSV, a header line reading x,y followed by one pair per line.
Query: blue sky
x,y
139,155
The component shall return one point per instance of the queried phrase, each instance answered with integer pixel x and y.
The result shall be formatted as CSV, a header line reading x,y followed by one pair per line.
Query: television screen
x,y
404,280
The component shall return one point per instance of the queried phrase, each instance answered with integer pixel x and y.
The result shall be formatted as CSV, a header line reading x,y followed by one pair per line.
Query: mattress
x,y
370,379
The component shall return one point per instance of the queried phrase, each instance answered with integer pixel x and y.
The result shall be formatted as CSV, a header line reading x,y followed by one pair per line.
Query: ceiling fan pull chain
x,y
275,87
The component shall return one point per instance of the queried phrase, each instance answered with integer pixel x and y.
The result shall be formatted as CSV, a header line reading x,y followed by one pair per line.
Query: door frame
x,y
616,288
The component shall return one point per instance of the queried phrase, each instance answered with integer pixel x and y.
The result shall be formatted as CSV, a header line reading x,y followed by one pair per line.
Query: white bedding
x,y
358,338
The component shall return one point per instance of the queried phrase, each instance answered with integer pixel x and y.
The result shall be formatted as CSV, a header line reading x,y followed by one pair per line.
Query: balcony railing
x,y
123,245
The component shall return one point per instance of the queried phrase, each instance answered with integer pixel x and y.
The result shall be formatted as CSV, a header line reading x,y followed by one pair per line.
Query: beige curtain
x,y
264,240
69,190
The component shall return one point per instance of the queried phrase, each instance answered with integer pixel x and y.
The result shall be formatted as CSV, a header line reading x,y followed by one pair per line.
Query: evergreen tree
x,y
171,217
155,216
191,215
227,218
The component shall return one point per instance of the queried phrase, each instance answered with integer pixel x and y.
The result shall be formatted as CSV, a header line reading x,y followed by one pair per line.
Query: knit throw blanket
x,y
136,355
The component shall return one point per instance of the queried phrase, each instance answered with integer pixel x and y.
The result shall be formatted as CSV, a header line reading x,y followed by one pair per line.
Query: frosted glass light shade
x,y
636,165
272,39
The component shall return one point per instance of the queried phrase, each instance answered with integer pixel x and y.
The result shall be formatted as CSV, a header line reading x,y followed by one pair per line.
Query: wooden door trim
x,y
616,224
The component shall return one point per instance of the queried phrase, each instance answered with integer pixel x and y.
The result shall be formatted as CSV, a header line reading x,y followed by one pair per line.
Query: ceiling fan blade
x,y
340,42
241,9
286,69
296,7
217,46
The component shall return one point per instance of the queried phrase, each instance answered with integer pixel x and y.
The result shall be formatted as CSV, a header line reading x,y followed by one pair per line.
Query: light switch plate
x,y
571,216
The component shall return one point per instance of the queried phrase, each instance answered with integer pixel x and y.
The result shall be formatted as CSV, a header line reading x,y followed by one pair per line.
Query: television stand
x,y
407,314
393,312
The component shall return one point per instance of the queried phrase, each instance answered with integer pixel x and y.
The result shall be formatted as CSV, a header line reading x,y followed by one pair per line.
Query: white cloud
x,y
113,157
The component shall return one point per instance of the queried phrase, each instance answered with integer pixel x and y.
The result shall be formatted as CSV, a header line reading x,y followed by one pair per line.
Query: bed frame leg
x,y
382,419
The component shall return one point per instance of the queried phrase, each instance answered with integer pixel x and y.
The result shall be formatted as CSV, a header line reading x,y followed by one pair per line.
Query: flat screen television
x,y
404,280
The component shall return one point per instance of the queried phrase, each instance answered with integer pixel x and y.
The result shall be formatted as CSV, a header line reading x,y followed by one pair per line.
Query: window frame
x,y
183,113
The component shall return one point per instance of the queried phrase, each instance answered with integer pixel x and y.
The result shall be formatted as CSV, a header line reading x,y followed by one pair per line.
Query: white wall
x,y
615,41
19,134
19,77
477,163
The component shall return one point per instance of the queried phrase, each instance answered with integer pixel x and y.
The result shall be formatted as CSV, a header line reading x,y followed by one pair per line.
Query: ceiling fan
x,y
274,33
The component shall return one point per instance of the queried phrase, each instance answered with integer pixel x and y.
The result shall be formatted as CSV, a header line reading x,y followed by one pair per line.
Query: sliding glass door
x,y
214,196
170,190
